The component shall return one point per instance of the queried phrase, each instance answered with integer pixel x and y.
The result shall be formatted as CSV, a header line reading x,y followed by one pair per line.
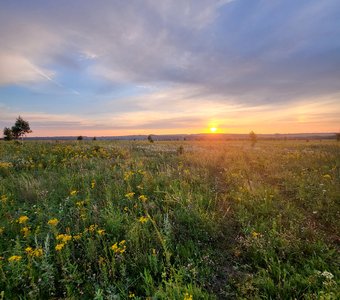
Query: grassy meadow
x,y
170,220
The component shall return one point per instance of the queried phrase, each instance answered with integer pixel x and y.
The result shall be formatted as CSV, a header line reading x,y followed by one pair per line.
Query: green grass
x,y
170,220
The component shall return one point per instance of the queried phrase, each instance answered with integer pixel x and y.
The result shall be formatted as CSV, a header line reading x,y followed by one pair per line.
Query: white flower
x,y
327,275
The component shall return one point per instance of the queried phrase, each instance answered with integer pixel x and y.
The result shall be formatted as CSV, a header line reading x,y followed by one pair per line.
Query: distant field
x,y
170,220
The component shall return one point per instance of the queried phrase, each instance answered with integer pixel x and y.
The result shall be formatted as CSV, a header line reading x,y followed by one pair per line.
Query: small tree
x,y
20,128
8,134
150,139
338,136
253,138
80,138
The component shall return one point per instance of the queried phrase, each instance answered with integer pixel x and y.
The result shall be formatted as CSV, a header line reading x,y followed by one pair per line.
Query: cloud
x,y
193,59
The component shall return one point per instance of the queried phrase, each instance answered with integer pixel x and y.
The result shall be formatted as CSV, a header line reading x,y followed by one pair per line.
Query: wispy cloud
x,y
165,61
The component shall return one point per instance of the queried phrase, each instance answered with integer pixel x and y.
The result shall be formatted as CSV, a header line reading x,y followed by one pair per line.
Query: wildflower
x,y
74,192
53,222
119,248
93,184
60,246
101,231
92,228
130,195
64,237
6,165
188,296
126,209
25,231
2,229
80,203
132,295
34,252
143,219
128,175
327,275
327,176
3,199
142,198
14,258
38,252
114,247
255,234
29,250
77,236
22,219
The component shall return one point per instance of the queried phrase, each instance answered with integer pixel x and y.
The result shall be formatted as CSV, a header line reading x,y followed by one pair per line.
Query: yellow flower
x,y
5,165
130,195
92,228
22,219
132,295
38,252
34,252
2,229
255,234
143,219
74,192
101,231
15,258
128,175
80,203
64,237
93,184
119,248
327,176
25,231
188,296
60,246
3,199
53,222
114,247
142,198
77,236
29,250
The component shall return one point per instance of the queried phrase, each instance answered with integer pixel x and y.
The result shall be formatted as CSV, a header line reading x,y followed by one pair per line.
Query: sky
x,y
103,67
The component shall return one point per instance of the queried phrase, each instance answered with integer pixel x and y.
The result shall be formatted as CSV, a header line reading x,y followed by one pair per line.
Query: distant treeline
x,y
199,137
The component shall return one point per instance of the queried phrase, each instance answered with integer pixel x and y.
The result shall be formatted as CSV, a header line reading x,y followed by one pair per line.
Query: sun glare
x,y
213,129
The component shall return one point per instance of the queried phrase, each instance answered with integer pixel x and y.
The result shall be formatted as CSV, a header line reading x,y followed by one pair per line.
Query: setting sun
x,y
213,129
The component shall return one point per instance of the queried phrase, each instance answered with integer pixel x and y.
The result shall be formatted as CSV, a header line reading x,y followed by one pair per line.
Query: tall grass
x,y
130,220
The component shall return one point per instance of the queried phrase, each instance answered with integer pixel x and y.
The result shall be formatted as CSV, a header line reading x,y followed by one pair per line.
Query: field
x,y
170,220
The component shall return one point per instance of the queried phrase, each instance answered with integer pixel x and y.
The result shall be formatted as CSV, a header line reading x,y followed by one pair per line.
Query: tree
x,y
20,128
8,134
338,136
150,139
80,138
253,138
